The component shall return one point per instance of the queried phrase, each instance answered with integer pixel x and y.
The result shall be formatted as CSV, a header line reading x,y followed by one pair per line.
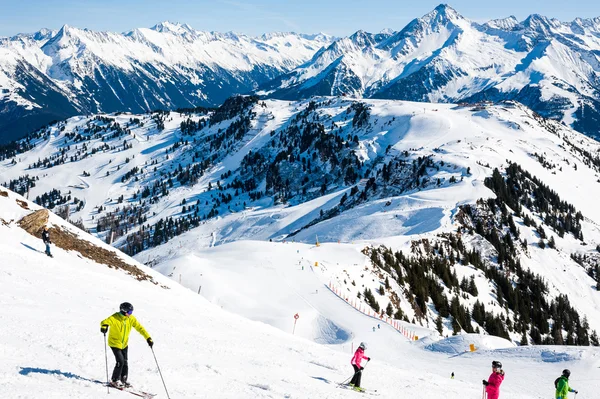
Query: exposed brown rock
x,y
35,222
22,204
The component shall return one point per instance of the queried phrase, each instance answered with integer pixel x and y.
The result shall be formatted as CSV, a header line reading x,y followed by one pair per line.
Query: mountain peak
x,y
503,23
540,23
65,34
444,10
361,38
321,37
65,29
172,27
440,16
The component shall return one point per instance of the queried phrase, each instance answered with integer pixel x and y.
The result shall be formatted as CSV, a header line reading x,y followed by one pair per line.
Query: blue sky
x,y
337,17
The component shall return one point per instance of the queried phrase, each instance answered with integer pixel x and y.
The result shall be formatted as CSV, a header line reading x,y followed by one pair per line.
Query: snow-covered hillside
x,y
51,343
408,176
51,75
548,65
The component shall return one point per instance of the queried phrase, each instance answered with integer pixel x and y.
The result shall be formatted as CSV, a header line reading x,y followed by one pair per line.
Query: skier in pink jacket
x,y
492,385
358,357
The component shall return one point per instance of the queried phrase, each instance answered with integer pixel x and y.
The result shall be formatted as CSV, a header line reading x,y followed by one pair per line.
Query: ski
x,y
133,391
364,391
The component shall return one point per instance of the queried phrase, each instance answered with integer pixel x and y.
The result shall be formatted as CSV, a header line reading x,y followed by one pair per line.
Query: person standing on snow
x,y
358,357
562,385
120,325
46,240
492,385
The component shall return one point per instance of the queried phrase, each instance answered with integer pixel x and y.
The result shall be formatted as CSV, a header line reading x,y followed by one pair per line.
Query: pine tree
x,y
389,310
399,315
473,287
438,325
524,339
455,326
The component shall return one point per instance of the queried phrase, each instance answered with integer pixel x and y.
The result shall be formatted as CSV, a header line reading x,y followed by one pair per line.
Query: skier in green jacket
x,y
562,385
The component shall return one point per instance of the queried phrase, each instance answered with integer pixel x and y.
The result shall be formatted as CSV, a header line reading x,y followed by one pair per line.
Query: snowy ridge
x,y
546,64
50,75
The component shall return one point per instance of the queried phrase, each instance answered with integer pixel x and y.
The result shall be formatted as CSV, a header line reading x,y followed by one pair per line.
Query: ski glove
x,y
369,359
362,368
104,329
150,342
485,383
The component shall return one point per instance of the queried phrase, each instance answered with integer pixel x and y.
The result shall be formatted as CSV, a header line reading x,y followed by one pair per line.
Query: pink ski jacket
x,y
359,355
493,387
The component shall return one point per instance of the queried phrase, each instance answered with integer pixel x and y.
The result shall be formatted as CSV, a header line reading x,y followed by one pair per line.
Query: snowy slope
x,y
52,307
548,65
51,75
474,138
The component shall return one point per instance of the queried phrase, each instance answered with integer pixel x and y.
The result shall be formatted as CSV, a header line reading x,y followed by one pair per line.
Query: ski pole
x,y
106,361
349,378
159,372
352,376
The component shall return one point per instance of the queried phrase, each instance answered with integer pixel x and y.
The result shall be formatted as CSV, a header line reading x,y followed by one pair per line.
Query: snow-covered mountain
x,y
552,67
394,183
51,75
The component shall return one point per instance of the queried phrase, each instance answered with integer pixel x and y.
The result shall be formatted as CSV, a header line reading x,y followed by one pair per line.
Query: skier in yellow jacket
x,y
120,325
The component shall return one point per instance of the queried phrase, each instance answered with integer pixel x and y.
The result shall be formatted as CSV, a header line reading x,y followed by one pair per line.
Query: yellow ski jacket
x,y
119,329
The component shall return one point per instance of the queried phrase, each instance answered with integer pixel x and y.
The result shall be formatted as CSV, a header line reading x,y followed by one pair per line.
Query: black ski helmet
x,y
566,373
126,307
496,364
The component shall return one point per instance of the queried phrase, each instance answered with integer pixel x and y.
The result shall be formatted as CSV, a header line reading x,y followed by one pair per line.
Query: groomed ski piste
x,y
52,348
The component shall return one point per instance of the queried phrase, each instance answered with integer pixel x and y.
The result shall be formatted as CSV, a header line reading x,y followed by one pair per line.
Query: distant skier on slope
x,y
562,385
358,357
46,240
492,385
120,325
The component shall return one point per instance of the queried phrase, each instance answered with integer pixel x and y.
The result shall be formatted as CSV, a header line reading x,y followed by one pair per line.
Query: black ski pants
x,y
357,375
121,368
